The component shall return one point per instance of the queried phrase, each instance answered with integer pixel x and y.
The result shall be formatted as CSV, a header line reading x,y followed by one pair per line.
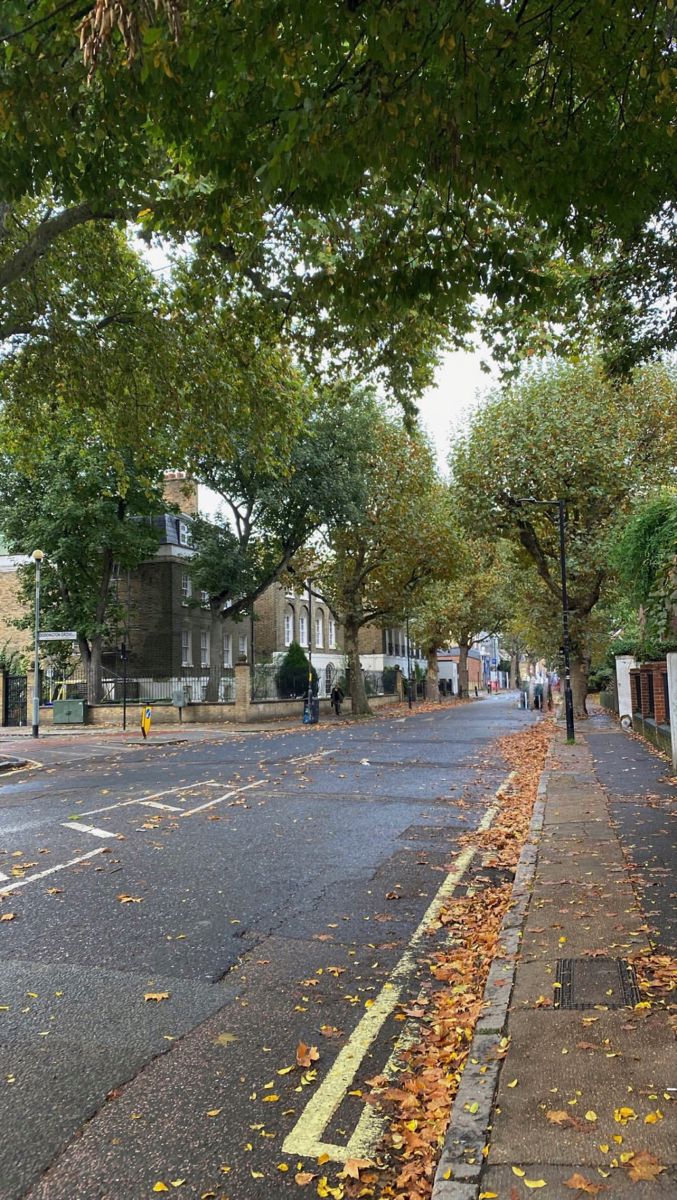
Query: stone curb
x,y
467,1133
11,764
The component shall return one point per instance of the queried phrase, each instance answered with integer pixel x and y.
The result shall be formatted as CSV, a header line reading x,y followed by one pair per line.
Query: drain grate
x,y
586,982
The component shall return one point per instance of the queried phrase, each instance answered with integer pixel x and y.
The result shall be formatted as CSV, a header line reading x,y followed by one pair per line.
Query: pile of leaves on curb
x,y
418,1104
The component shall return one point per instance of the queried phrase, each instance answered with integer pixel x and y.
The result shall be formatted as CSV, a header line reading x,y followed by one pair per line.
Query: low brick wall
x,y
658,735
206,714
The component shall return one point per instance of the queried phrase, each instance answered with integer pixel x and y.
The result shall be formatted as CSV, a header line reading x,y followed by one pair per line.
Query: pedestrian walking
x,y
336,698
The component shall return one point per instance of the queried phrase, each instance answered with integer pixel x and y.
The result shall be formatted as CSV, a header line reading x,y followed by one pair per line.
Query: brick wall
x,y
11,609
180,490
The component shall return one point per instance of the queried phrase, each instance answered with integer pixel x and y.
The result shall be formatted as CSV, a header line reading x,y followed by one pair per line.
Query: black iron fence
x,y
114,684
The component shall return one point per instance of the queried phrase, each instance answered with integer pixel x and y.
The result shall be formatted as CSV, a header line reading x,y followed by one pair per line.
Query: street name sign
x,y
51,636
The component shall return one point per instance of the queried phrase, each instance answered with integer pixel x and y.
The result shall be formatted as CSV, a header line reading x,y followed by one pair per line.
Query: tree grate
x,y
588,982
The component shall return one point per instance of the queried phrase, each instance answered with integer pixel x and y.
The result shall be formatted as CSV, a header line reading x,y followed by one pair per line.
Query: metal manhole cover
x,y
586,982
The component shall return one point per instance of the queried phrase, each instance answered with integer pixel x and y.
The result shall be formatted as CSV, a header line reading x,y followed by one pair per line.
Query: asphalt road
x,y
269,887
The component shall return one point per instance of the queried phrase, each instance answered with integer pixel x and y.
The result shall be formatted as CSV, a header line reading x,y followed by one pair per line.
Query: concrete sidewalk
x,y
570,1086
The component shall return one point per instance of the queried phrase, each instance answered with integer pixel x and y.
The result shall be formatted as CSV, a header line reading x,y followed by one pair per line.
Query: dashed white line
x,y
165,807
226,796
12,887
92,812
93,829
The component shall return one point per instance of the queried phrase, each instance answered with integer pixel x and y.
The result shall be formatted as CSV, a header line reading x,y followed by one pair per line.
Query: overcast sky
x,y
459,387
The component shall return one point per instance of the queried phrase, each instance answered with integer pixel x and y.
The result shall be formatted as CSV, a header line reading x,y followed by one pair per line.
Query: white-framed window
x,y
288,625
186,649
242,645
204,648
303,627
204,597
185,534
332,633
227,649
186,586
319,628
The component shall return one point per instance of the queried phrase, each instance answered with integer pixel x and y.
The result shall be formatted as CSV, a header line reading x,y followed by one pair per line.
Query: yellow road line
x,y
305,1138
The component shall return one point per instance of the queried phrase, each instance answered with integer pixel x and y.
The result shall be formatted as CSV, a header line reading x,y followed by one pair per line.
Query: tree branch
x,y
19,263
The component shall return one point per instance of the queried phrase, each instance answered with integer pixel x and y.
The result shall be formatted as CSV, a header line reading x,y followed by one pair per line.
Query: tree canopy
x,y
367,169
564,431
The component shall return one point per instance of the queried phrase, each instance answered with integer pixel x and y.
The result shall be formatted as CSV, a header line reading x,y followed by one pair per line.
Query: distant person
x,y
336,697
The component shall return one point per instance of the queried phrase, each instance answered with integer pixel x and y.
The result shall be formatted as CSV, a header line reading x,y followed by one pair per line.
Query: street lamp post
x,y
408,664
37,557
566,642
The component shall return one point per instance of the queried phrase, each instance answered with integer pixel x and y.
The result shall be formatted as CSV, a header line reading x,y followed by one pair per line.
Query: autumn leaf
x,y
558,1116
213,1112
644,1166
224,1039
124,899
302,1178
305,1055
156,996
578,1182
534,1183
8,917
160,1186
353,1167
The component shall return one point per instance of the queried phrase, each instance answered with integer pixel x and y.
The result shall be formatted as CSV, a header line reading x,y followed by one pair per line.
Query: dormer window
x,y
185,534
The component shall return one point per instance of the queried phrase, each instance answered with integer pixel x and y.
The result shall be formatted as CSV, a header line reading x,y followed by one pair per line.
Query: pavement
x,y
186,913
572,1079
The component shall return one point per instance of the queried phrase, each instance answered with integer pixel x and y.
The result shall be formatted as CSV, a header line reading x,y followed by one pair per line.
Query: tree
x,y
564,431
463,609
367,169
89,515
278,490
645,555
394,540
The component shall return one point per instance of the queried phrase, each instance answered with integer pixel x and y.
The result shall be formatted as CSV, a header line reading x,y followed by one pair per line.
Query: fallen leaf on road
x,y
224,1039
644,1166
330,1031
305,1055
177,1182
534,1183
8,917
270,1099
578,1182
160,1186
213,1112
129,899
353,1167
157,996
304,1177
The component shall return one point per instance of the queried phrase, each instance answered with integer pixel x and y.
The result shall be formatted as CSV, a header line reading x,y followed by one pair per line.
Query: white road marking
x,y
50,871
3,876
305,1138
92,812
156,804
226,796
93,829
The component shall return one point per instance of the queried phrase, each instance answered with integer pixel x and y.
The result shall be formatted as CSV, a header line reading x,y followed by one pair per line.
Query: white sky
x,y
459,387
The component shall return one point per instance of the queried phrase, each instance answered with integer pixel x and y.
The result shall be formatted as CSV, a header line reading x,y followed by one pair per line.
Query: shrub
x,y
292,673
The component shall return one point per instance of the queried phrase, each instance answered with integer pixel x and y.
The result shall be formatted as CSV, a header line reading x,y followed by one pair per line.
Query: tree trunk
x,y
215,652
432,683
358,694
580,665
463,648
90,653
515,666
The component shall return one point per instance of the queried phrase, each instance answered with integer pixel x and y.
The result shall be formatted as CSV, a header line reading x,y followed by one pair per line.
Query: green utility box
x,y
69,712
